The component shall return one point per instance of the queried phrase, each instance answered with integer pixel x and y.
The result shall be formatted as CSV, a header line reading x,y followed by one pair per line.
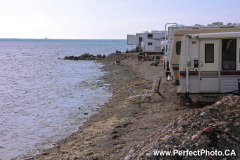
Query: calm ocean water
x,y
43,98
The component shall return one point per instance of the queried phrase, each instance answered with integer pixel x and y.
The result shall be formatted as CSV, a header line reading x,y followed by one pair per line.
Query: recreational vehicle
x,y
176,45
209,63
152,41
176,27
135,40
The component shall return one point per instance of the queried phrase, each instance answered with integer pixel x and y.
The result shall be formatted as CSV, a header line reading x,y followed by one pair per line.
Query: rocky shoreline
x,y
136,129
214,128
85,56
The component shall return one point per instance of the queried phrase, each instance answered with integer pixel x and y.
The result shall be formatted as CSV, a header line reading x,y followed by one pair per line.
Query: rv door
x,y
209,66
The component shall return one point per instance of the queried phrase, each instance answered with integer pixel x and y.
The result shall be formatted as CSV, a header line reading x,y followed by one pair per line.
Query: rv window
x,y
209,53
150,35
140,39
178,47
229,54
149,43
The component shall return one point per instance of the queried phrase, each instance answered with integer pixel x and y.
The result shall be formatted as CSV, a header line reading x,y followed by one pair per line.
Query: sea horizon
x,y
58,39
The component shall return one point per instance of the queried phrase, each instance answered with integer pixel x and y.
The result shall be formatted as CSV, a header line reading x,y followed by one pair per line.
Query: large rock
x,y
99,56
183,123
86,55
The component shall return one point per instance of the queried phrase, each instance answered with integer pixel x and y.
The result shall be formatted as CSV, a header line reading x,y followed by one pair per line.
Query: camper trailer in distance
x,y
209,63
152,41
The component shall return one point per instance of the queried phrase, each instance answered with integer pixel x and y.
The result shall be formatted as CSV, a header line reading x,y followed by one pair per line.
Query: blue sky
x,y
107,19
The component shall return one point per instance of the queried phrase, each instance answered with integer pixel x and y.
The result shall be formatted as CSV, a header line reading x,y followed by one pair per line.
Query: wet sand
x,y
120,127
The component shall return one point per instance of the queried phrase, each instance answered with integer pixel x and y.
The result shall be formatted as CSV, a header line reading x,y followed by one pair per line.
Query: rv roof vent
x,y
145,32
197,25
154,31
227,26
210,25
218,23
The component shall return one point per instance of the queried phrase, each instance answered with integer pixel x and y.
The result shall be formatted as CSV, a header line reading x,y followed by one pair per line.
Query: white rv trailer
x,y
176,27
176,45
135,40
209,63
152,41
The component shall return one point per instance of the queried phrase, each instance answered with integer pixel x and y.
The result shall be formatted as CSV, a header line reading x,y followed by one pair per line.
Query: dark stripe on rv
x,y
178,34
191,73
176,68
194,73
230,72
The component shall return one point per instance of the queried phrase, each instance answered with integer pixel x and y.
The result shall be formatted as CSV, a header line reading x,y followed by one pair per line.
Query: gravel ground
x,y
119,130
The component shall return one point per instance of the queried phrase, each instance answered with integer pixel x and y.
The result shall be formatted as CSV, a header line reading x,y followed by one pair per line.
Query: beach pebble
x,y
129,157
141,154
150,156
166,138
174,124
226,131
196,136
194,125
131,151
203,114
180,129
183,123
167,147
155,145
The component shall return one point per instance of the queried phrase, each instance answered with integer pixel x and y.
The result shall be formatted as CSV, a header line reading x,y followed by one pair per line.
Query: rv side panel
x,y
183,84
193,84
238,54
182,61
131,39
229,83
192,50
182,64
152,41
